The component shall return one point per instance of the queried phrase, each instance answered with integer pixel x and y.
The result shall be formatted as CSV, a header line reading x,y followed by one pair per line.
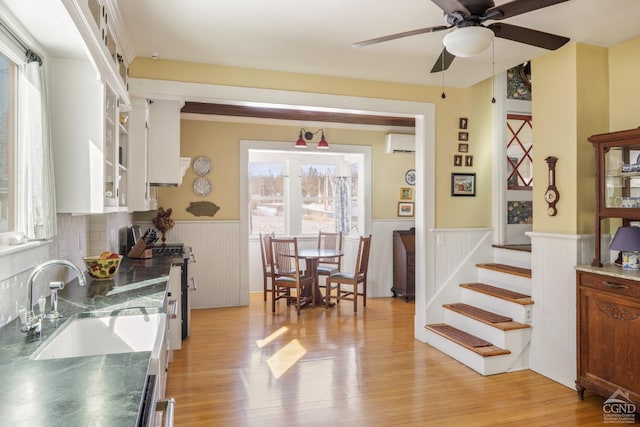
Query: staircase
x,y
489,328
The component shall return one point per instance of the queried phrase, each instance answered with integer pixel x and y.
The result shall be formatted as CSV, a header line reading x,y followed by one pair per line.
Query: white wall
x,y
553,336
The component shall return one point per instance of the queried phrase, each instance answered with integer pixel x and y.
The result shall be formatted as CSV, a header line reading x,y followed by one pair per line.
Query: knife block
x,y
140,250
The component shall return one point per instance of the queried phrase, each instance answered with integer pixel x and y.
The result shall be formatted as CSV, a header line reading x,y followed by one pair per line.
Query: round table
x,y
312,257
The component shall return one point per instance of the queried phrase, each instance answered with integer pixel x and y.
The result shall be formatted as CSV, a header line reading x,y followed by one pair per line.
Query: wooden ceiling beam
x,y
293,114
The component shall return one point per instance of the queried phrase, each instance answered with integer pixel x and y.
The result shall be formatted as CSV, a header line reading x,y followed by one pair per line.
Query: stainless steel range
x,y
187,282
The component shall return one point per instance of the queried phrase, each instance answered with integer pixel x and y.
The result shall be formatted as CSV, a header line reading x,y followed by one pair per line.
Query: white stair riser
x,y
514,340
483,365
505,280
510,257
518,312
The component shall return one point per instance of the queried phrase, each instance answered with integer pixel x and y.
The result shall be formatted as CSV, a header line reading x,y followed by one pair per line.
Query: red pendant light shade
x,y
322,144
306,135
301,143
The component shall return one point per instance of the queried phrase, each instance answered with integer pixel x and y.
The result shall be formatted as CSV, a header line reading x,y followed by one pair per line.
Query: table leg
x,y
312,270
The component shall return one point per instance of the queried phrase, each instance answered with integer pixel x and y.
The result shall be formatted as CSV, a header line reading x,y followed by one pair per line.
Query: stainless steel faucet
x,y
32,323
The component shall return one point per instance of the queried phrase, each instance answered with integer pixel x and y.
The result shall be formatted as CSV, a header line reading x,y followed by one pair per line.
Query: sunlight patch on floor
x,y
273,336
285,358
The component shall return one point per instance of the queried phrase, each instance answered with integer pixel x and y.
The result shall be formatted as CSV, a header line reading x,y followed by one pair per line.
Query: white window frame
x,y
364,199
15,54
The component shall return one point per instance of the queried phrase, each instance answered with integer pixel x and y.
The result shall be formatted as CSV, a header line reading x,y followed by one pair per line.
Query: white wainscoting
x,y
217,270
458,250
218,251
553,336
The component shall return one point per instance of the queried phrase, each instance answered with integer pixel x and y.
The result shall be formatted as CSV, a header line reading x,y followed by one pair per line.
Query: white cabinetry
x,y
164,143
85,167
138,183
89,109
175,323
99,27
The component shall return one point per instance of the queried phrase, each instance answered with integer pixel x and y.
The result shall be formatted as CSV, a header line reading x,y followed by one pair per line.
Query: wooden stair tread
x,y
468,341
509,269
498,321
520,248
502,293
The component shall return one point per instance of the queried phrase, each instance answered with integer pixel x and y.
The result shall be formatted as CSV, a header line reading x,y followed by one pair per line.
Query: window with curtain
x,y
296,193
27,187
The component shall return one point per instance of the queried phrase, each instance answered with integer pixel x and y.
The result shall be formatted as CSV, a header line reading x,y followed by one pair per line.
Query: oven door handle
x,y
193,286
167,406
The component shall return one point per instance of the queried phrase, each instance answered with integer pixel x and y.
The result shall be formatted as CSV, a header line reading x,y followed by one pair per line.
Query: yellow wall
x,y
569,105
454,212
624,62
220,141
388,171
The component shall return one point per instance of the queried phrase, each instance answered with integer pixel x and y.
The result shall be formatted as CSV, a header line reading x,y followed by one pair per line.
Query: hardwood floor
x,y
248,367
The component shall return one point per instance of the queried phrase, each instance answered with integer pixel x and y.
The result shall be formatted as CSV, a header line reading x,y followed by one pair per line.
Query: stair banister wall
x,y
458,250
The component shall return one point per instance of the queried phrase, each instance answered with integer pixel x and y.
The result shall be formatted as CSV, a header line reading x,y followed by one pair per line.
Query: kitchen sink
x,y
92,336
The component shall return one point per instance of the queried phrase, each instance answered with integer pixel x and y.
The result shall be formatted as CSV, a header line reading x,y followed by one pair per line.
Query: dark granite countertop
x,y
83,391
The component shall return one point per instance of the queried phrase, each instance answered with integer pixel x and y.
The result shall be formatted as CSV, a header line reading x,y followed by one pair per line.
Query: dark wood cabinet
x,y
608,297
404,263
608,310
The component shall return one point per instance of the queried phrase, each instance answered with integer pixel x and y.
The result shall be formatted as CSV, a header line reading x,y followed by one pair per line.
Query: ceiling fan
x,y
471,37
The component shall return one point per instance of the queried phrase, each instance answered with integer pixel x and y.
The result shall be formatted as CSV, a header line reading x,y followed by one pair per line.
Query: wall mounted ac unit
x,y
400,143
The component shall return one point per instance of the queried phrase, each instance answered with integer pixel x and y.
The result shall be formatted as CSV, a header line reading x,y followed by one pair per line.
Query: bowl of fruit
x,y
103,266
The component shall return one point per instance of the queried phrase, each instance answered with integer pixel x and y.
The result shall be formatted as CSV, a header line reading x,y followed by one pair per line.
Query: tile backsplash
x,y
78,236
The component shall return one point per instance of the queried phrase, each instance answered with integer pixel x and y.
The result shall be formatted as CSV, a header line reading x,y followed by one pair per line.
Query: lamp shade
x,y
322,144
626,239
468,41
301,143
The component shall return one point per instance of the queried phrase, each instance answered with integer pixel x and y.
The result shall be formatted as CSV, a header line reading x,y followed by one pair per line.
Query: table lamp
x,y
627,241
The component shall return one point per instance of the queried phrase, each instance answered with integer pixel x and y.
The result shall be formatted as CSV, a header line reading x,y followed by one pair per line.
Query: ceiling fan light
x,y
468,41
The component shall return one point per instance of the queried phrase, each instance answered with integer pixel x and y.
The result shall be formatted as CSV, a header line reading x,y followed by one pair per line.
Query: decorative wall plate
x,y
410,177
202,186
202,165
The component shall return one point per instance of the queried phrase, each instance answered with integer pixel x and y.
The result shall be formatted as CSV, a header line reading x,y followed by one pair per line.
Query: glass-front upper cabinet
x,y
110,159
622,177
617,158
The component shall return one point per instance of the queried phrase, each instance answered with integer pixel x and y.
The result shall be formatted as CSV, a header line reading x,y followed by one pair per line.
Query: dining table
x,y
312,257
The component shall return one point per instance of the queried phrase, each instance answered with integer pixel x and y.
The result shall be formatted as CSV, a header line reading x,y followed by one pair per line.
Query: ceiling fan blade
x,y
528,36
450,6
400,35
518,7
443,62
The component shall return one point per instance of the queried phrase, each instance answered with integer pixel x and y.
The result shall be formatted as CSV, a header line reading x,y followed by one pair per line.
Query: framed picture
x,y
406,193
463,184
463,147
463,136
468,160
462,124
457,160
405,208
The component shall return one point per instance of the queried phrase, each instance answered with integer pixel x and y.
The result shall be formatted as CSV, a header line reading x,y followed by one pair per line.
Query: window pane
x,y
266,189
7,97
317,183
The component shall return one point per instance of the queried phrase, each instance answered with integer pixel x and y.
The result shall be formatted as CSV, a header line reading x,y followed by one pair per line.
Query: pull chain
x,y
493,72
443,96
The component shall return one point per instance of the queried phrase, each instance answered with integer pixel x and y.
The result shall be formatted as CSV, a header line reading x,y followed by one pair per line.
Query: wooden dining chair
x,y
352,279
328,266
286,274
265,251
